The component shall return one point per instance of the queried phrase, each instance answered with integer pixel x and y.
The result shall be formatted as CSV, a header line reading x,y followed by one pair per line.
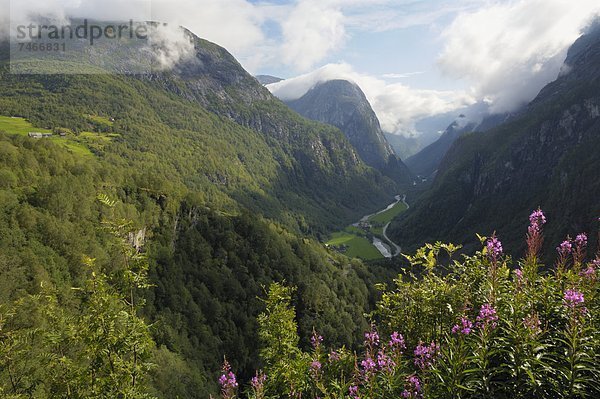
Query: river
x,y
384,248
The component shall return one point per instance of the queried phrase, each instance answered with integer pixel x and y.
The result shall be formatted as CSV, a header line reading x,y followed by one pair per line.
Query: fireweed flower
x,y
580,247
581,240
537,218
519,274
487,316
334,357
258,381
565,248
368,368
425,355
494,248
573,298
371,344
384,362
371,338
315,368
258,384
589,272
316,340
412,389
353,392
534,232
397,342
465,327
227,381
533,323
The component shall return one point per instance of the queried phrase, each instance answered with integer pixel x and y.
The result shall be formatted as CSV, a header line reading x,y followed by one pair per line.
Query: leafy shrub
x,y
480,327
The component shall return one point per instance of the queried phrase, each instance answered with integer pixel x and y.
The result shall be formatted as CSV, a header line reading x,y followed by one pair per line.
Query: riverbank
x,y
367,238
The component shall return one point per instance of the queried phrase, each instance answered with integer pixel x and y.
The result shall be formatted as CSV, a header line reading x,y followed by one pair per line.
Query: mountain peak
x,y
343,104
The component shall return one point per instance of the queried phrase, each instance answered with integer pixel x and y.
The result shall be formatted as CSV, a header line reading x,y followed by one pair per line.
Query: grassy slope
x,y
387,216
20,126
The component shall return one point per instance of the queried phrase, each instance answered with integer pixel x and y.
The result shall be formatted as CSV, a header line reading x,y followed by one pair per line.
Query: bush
x,y
480,327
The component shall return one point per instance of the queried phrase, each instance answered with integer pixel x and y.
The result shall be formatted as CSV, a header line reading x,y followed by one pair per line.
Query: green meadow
x,y
80,144
356,241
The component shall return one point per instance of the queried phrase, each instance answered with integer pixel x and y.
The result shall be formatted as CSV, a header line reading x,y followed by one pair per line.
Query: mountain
x,y
426,161
547,155
267,79
472,118
427,130
225,189
343,104
404,146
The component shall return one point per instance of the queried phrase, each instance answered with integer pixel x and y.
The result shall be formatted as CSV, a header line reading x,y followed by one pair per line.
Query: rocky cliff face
x,y
343,104
267,79
546,156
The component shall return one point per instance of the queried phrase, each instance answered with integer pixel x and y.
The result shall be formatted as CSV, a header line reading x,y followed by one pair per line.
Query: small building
x,y
38,135
365,225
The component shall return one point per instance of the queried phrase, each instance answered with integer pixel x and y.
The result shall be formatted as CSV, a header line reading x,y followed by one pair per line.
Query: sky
x,y
412,58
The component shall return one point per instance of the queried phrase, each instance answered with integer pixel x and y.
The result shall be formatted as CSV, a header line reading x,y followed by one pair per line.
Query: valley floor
x,y
367,238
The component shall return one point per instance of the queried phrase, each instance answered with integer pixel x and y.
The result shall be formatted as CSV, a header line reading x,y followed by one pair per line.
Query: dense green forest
x,y
207,265
218,207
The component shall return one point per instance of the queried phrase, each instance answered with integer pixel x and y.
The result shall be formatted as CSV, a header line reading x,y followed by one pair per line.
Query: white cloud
x,y
313,29
233,24
397,106
167,45
400,75
510,50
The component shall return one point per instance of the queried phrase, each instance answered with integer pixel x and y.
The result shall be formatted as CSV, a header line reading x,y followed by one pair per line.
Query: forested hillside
x,y
227,191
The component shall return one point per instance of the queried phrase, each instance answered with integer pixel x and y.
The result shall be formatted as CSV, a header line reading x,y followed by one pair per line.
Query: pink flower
x,y
368,367
384,362
534,233
464,328
589,272
573,298
258,381
519,274
353,392
371,338
565,248
425,355
316,340
334,356
494,248
412,388
537,218
227,381
581,240
533,323
487,316
397,342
